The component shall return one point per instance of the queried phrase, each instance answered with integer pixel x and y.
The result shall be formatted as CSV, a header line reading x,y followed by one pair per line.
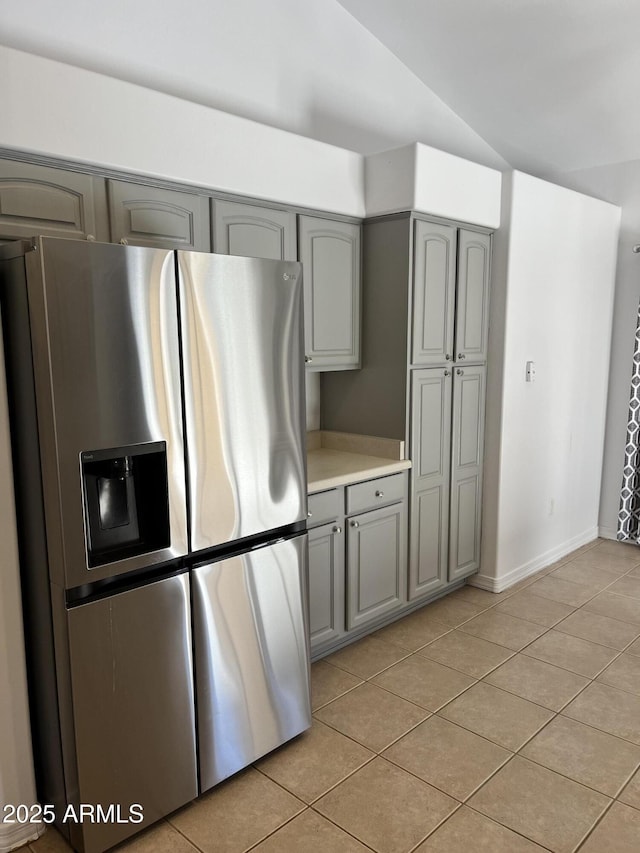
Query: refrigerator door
x,y
133,706
242,338
252,655
107,379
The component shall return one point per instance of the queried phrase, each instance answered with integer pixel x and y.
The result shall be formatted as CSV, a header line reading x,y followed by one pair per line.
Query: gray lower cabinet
x,y
52,202
376,556
326,584
376,564
431,390
254,231
326,567
357,579
330,254
466,470
149,216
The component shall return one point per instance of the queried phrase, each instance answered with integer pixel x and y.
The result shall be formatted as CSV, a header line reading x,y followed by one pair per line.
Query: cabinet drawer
x,y
325,506
373,493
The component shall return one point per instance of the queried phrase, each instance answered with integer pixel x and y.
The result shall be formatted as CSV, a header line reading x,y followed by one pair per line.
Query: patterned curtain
x,y
629,515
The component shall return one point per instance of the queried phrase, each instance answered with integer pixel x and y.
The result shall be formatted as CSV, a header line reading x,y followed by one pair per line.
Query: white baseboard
x,y
493,584
608,533
13,836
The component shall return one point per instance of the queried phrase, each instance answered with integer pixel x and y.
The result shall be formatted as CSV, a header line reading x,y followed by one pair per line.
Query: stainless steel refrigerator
x,y
157,408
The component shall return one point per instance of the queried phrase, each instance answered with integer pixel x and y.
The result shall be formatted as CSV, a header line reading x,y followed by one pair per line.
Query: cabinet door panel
x,y
253,231
430,510
434,279
430,474
326,584
375,564
149,216
465,530
330,253
472,309
466,472
52,202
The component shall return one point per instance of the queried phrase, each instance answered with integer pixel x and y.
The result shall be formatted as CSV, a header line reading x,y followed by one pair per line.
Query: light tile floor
x,y
507,723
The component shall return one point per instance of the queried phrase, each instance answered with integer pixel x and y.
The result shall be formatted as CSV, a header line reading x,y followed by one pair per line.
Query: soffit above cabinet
x,y
224,153
418,177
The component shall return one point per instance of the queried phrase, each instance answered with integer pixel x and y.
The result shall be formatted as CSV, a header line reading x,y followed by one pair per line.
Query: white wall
x,y
16,762
553,305
419,177
307,67
618,183
55,109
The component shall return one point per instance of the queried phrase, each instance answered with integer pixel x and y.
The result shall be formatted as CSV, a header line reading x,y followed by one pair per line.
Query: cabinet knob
x,y
461,356
447,357
307,359
309,514
91,238
379,494
337,529
124,241
460,372
447,373
355,524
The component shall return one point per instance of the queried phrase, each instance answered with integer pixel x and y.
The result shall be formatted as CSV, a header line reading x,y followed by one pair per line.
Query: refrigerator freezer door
x,y
242,340
252,656
107,375
133,706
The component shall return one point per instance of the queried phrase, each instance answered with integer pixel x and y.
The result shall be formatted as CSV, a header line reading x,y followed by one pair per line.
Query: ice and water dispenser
x,y
126,501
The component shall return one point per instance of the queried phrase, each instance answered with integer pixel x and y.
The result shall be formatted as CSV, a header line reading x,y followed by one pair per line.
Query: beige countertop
x,y
338,459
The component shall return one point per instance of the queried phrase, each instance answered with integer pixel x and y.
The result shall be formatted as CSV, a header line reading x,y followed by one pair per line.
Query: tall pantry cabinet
x,y
423,380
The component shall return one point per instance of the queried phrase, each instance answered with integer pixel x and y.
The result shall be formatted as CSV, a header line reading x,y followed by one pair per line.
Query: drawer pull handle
x,y
379,493
355,524
337,529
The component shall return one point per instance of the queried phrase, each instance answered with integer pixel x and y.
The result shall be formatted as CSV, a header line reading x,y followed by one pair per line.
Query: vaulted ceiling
x,y
549,84
546,86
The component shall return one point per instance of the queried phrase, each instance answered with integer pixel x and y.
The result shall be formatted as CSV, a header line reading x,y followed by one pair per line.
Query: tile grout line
x,y
436,828
181,833
613,797
556,713
592,828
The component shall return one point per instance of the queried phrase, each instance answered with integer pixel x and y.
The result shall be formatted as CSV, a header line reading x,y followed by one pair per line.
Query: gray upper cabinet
x,y
472,308
430,479
161,218
52,202
466,470
434,282
253,231
330,255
